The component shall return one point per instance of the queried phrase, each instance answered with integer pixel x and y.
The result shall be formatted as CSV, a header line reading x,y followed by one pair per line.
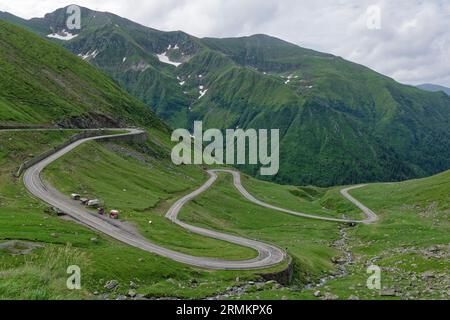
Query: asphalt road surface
x,y
268,255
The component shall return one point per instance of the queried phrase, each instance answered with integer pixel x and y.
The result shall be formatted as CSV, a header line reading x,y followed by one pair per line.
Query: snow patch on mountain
x,y
89,55
289,78
165,59
175,47
62,35
202,93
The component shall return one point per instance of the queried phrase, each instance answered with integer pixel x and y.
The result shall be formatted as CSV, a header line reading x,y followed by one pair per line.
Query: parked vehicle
x,y
114,214
93,203
75,196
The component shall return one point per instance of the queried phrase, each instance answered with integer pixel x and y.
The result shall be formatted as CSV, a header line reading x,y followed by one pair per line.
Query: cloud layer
x,y
412,44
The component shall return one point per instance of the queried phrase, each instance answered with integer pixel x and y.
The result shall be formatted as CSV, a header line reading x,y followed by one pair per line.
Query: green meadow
x,y
141,182
41,274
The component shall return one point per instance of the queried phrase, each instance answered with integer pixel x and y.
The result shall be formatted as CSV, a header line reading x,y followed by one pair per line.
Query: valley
x,y
306,240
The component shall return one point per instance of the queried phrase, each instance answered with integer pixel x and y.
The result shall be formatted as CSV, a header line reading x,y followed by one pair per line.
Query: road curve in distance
x,y
371,217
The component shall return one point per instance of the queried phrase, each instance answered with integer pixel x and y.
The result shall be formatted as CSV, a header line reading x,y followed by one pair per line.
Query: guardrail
x,y
29,163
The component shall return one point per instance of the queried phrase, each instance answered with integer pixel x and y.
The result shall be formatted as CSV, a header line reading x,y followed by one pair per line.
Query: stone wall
x,y
283,277
136,138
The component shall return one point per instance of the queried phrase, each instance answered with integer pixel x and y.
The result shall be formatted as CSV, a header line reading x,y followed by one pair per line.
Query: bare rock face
x,y
91,121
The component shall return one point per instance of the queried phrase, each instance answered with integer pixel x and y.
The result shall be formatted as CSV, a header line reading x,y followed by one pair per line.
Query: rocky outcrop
x,y
91,121
283,277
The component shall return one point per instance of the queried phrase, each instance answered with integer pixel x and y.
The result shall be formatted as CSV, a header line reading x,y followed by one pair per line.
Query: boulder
x,y
428,275
388,292
111,285
330,296
131,293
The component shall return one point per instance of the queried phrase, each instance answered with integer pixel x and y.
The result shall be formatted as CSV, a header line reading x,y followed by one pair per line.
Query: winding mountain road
x,y
268,255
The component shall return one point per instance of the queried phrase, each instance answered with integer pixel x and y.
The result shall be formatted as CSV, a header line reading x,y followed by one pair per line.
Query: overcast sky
x,y
408,40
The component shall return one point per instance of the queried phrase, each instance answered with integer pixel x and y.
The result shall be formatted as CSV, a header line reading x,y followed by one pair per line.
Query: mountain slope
x,y
434,88
41,83
341,123
127,52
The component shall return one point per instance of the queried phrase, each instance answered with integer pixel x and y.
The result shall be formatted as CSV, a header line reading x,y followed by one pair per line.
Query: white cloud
x,y
413,44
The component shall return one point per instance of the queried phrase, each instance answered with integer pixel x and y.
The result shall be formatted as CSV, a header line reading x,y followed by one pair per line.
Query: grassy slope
x,y
325,202
416,208
42,83
307,241
414,217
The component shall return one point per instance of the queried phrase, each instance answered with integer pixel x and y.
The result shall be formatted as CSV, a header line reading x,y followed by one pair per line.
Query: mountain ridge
x,y
434,88
341,122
